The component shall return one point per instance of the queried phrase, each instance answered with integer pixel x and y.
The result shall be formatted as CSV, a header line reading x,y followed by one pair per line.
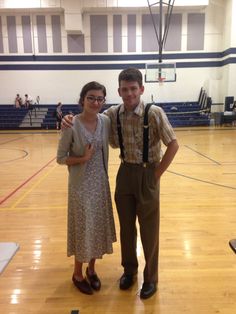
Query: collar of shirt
x,y
139,109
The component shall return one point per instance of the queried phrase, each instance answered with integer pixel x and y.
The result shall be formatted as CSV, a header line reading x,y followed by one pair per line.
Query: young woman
x,y
84,149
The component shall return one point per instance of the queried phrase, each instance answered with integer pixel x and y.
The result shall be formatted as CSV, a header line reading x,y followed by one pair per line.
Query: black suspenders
x,y
120,137
145,134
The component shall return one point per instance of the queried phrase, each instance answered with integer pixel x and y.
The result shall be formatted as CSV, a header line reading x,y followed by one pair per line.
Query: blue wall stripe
x,y
69,66
15,67
140,58
229,61
228,51
130,57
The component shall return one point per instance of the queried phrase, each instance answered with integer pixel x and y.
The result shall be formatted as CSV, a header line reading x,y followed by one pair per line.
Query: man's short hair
x,y
131,75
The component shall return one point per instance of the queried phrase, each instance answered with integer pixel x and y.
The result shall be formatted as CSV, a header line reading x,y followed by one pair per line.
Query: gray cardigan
x,y
72,144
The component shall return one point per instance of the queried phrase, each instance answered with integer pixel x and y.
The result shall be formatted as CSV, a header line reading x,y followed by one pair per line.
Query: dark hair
x,y
59,104
89,86
131,75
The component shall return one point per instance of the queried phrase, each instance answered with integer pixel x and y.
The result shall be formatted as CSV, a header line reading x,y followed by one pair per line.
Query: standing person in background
x,y
18,101
59,115
84,149
138,178
37,100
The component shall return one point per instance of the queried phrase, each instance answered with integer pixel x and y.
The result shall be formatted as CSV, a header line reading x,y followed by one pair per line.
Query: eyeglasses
x,y
99,99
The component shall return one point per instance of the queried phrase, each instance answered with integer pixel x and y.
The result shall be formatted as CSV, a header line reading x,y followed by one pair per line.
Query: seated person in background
x,y
28,101
18,101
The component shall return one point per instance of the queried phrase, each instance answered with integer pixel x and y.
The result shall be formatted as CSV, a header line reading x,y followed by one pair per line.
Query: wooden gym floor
x,y
198,218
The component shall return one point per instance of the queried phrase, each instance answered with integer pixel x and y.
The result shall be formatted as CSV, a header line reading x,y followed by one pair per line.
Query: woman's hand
x,y
89,150
88,153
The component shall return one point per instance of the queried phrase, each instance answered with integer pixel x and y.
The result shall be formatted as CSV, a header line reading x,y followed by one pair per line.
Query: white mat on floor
x,y
7,251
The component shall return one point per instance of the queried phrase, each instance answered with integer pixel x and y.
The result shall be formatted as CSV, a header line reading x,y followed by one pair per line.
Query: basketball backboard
x,y
160,72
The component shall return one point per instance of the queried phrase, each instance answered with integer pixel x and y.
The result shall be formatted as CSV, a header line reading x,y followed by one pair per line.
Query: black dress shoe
x,y
148,289
126,281
94,280
83,285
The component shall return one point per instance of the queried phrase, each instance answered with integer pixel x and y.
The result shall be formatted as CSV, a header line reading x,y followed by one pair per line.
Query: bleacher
x,y
38,117
180,114
10,117
49,122
229,114
186,114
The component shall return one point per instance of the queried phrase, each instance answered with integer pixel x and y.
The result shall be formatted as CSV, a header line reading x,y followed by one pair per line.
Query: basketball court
x,y
197,221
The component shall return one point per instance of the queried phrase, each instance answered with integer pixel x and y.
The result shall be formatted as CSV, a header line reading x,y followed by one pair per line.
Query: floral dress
x,y
91,229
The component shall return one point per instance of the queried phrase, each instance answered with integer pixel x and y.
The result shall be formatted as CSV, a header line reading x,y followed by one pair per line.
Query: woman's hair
x,y
131,75
91,86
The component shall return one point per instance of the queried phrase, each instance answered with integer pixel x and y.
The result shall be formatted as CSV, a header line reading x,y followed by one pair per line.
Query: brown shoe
x,y
83,285
94,280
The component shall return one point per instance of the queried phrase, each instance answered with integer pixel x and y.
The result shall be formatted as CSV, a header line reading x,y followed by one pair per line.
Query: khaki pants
x,y
137,195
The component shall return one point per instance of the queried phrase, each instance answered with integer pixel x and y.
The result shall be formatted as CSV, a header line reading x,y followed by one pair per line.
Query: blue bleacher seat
x,y
185,114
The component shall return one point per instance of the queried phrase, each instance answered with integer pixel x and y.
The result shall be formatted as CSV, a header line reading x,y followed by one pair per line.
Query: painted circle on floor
x,y
12,154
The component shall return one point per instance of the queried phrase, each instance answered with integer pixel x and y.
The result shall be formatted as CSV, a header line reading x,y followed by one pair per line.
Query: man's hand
x,y
67,122
167,158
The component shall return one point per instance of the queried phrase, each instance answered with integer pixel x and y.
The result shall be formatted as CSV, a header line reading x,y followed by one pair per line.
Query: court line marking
x,y
203,181
30,132
14,139
25,182
209,129
35,208
197,152
21,157
33,186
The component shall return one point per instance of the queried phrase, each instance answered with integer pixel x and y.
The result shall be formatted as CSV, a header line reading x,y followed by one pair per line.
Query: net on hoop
x,y
161,80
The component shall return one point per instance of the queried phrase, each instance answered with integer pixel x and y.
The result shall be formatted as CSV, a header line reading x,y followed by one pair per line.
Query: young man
x,y
137,182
